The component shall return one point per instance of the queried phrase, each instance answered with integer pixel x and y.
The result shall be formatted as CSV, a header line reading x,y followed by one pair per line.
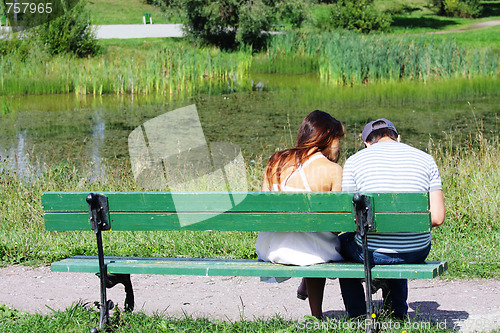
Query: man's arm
x,y
437,209
348,183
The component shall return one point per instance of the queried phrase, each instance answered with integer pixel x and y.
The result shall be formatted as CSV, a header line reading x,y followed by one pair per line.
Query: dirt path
x,y
470,27
470,305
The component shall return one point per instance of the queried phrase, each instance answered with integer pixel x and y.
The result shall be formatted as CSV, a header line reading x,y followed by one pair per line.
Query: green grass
x,y
82,317
415,16
470,173
125,12
469,239
485,37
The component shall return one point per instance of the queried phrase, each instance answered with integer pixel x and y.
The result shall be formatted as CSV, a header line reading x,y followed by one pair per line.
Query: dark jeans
x,y
352,290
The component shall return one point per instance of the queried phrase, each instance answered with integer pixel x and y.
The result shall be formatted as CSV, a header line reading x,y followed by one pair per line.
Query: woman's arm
x,y
337,178
265,185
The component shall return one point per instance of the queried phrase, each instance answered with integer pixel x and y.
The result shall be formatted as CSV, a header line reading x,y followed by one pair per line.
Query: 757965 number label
x,y
28,7
25,14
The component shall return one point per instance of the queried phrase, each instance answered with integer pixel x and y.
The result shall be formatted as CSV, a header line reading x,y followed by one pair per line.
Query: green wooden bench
x,y
234,211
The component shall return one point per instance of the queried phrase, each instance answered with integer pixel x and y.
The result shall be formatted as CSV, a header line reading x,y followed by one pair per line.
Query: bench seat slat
x,y
245,267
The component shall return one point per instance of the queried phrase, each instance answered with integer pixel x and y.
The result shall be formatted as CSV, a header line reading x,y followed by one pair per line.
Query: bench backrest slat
x,y
238,211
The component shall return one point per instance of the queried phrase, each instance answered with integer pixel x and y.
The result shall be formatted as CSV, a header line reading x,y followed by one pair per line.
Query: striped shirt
x,y
391,166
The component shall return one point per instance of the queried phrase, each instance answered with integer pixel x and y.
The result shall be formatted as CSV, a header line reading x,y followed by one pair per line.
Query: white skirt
x,y
298,248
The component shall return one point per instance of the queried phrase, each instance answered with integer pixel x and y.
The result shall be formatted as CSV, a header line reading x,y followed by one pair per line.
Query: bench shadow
x,y
335,314
429,311
422,312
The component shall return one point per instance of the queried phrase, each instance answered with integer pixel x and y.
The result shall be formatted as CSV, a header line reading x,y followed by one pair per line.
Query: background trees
x,y
461,8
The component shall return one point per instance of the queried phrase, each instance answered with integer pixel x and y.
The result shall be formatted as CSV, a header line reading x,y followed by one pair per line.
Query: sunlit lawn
x,y
123,12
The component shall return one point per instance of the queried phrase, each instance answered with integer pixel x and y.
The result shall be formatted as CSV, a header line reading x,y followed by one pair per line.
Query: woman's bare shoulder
x,y
325,162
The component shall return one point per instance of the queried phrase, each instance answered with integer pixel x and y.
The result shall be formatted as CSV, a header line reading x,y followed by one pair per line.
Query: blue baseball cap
x,y
380,123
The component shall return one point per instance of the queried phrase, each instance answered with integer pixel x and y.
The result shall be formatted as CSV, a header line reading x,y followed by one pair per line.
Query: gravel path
x,y
468,305
124,31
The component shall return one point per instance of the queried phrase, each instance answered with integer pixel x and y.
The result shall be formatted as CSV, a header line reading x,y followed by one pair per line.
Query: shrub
x,y
227,23
460,8
253,18
292,12
358,15
70,33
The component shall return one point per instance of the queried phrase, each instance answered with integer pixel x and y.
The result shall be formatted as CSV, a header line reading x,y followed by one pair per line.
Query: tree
x,y
460,8
70,33
358,15
227,22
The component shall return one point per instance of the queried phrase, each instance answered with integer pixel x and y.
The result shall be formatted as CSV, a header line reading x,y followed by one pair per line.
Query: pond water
x,y
92,131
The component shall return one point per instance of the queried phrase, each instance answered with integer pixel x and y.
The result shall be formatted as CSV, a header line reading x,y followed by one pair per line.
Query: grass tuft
x,y
82,317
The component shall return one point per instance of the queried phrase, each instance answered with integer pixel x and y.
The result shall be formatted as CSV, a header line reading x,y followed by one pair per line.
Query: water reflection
x,y
16,157
41,131
97,142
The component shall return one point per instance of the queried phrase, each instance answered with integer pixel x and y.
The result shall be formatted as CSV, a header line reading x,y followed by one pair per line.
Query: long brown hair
x,y
318,130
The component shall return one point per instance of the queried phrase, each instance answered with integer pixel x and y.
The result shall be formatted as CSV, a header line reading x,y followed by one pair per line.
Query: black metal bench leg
x,y
370,321
113,279
363,207
99,219
106,304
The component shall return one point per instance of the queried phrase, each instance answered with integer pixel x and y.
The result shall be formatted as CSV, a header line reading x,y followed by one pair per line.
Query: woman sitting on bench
x,y
309,166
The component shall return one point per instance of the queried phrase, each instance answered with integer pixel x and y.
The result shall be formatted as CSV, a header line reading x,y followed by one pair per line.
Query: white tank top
x,y
302,174
298,248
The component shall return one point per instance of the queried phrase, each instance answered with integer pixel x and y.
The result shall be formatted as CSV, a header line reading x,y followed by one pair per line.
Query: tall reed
x,y
348,59
176,70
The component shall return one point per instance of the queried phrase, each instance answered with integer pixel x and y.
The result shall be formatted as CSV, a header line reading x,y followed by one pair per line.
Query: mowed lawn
x,y
124,12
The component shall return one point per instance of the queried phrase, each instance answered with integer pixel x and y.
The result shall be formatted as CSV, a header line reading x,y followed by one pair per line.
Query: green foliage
x,y
292,12
70,33
357,15
7,313
163,4
458,8
14,46
253,19
227,22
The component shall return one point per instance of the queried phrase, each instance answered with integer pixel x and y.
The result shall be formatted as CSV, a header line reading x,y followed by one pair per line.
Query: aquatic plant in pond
x,y
352,59
173,70
178,70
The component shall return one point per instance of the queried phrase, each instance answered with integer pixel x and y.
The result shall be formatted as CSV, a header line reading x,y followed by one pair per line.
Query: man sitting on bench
x,y
387,165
